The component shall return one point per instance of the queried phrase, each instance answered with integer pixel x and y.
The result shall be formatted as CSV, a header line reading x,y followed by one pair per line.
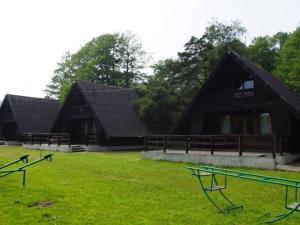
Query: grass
x,y
121,188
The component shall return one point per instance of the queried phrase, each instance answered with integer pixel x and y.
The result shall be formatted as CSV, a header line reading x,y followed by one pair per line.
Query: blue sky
x,y
35,34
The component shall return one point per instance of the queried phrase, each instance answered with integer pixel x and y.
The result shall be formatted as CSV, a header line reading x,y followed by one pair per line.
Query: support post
x,y
69,140
240,149
145,144
49,140
274,147
280,145
87,140
211,145
165,144
187,144
31,139
24,177
58,140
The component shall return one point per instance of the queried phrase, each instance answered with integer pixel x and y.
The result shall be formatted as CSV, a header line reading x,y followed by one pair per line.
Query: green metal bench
x,y
204,172
22,169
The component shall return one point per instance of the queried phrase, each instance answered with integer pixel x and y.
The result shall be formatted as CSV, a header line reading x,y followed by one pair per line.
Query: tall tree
x,y
264,50
178,79
201,54
288,68
112,59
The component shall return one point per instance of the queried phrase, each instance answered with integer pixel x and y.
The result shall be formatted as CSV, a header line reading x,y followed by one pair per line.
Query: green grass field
x,y
121,188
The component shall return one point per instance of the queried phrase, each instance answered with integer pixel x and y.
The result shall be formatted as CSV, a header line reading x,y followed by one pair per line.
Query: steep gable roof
x,y
113,108
286,95
33,115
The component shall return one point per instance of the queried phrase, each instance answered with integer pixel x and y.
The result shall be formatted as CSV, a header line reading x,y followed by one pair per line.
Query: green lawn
x,y
121,188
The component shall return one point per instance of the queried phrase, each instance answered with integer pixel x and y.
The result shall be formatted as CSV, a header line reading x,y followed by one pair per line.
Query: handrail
x,y
249,176
211,172
214,142
4,173
23,158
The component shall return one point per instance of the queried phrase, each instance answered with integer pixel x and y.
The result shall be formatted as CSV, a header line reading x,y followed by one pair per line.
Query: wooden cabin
x,y
242,99
97,114
22,114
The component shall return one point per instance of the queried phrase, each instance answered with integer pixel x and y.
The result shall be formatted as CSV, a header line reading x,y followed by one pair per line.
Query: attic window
x,y
248,84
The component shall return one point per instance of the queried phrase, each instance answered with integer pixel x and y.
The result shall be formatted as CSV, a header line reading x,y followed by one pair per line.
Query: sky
x,y
34,34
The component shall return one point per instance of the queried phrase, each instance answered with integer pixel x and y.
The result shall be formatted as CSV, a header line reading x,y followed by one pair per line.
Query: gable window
x,y
265,123
225,124
248,84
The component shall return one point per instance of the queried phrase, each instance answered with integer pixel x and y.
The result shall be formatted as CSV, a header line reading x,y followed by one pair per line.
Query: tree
x,y
175,81
264,50
112,59
288,68
157,104
200,55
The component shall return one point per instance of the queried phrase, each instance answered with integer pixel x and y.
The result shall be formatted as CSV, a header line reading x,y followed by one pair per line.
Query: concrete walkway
x,y
290,167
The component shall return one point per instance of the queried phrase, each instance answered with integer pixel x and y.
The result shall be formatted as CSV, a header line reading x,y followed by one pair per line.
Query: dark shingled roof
x,y
287,96
113,108
33,115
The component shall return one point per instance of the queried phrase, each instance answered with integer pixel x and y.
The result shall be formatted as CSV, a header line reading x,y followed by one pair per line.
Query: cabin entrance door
x,y
243,124
79,129
10,131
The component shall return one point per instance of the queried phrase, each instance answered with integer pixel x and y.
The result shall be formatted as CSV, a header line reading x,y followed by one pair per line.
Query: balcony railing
x,y
230,97
226,143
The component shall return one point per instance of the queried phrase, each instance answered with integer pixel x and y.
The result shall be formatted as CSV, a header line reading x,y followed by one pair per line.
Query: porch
x,y
91,143
257,151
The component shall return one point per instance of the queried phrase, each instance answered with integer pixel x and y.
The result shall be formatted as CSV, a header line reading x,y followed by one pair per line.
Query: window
x,y
265,123
225,126
248,84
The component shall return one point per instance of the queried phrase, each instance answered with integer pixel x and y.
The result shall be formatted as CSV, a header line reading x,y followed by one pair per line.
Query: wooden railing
x,y
58,139
94,139
213,143
231,97
47,138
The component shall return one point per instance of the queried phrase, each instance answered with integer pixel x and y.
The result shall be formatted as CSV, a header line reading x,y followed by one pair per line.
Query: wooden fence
x,y
47,138
213,143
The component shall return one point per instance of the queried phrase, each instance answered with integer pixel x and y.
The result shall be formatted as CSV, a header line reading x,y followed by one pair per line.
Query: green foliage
x,y
288,68
264,50
157,104
112,59
175,81
121,189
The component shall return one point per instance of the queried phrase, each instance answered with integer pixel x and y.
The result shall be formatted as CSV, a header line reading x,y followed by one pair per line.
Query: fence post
x,y
145,144
165,144
240,147
211,145
31,139
280,141
49,140
58,140
87,140
69,140
187,144
274,147
40,140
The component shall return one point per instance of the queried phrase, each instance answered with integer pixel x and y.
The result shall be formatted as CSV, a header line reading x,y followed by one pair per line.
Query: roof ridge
x,y
104,85
29,97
